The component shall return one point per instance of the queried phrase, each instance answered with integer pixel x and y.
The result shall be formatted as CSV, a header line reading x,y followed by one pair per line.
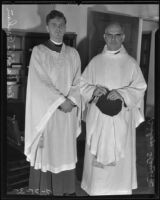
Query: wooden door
x,y
145,54
97,22
145,57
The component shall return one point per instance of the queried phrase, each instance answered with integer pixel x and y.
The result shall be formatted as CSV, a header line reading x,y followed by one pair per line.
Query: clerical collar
x,y
113,52
56,43
52,46
109,52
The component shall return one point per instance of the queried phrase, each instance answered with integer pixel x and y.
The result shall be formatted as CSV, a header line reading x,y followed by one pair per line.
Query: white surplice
x,y
110,154
52,76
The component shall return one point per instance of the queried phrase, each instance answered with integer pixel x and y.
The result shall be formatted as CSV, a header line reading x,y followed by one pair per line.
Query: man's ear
x,y
47,29
123,37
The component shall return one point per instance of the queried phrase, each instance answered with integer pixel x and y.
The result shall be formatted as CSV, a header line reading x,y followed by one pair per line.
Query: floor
x,y
142,170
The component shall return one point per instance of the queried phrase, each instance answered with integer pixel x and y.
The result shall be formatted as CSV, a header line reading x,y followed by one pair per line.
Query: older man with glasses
x,y
112,87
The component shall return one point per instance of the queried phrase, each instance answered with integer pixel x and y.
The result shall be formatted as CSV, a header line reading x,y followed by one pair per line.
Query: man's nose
x,y
59,27
113,37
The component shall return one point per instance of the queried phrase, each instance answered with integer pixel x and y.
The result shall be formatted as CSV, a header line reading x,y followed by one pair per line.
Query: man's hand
x,y
99,91
113,95
67,106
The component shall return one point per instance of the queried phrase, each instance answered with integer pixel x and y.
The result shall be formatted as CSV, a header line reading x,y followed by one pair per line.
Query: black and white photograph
x,y
79,114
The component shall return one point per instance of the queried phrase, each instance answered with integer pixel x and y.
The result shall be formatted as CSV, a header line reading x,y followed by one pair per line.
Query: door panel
x,y
144,61
145,54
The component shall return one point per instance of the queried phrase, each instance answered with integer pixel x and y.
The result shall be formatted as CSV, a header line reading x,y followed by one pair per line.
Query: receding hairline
x,y
117,24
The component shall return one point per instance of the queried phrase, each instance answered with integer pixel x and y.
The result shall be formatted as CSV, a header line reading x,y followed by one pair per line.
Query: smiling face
x,y
56,28
114,37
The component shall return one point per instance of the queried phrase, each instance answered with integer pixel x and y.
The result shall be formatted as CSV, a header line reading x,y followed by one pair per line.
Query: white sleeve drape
x,y
38,112
133,94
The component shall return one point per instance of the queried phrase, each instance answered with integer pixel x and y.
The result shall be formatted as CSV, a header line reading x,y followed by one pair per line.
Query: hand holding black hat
x,y
113,95
110,106
99,90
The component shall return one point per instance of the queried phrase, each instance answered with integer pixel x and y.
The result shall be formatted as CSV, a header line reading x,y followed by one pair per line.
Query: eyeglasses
x,y
110,36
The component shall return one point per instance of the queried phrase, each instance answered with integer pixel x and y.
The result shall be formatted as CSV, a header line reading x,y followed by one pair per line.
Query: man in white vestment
x,y
52,121
110,151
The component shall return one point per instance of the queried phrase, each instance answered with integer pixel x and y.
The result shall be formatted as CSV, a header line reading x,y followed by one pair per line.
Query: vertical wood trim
x,y
150,99
139,40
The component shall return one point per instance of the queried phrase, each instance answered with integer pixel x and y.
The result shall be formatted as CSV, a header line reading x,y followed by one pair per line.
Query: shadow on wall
x,y
82,48
150,112
42,11
84,44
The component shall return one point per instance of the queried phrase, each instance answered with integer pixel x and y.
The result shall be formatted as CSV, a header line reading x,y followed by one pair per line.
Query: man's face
x,y
114,37
56,28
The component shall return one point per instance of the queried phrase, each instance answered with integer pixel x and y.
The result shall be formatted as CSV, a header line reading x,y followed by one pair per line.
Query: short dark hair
x,y
55,14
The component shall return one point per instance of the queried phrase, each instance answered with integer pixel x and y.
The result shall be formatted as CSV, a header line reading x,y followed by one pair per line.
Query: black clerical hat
x,y
109,107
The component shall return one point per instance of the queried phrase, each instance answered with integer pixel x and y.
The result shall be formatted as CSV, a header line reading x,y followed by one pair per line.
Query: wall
x,y
27,17
149,26
34,15
32,18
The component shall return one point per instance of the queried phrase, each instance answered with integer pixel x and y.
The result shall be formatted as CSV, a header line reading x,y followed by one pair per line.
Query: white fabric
x,y
110,141
108,148
52,76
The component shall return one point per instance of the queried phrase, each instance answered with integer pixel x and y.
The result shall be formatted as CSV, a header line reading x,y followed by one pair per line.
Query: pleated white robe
x,y
52,76
110,152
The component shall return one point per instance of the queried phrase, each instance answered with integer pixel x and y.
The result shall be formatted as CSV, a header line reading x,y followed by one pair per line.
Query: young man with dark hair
x,y
53,112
